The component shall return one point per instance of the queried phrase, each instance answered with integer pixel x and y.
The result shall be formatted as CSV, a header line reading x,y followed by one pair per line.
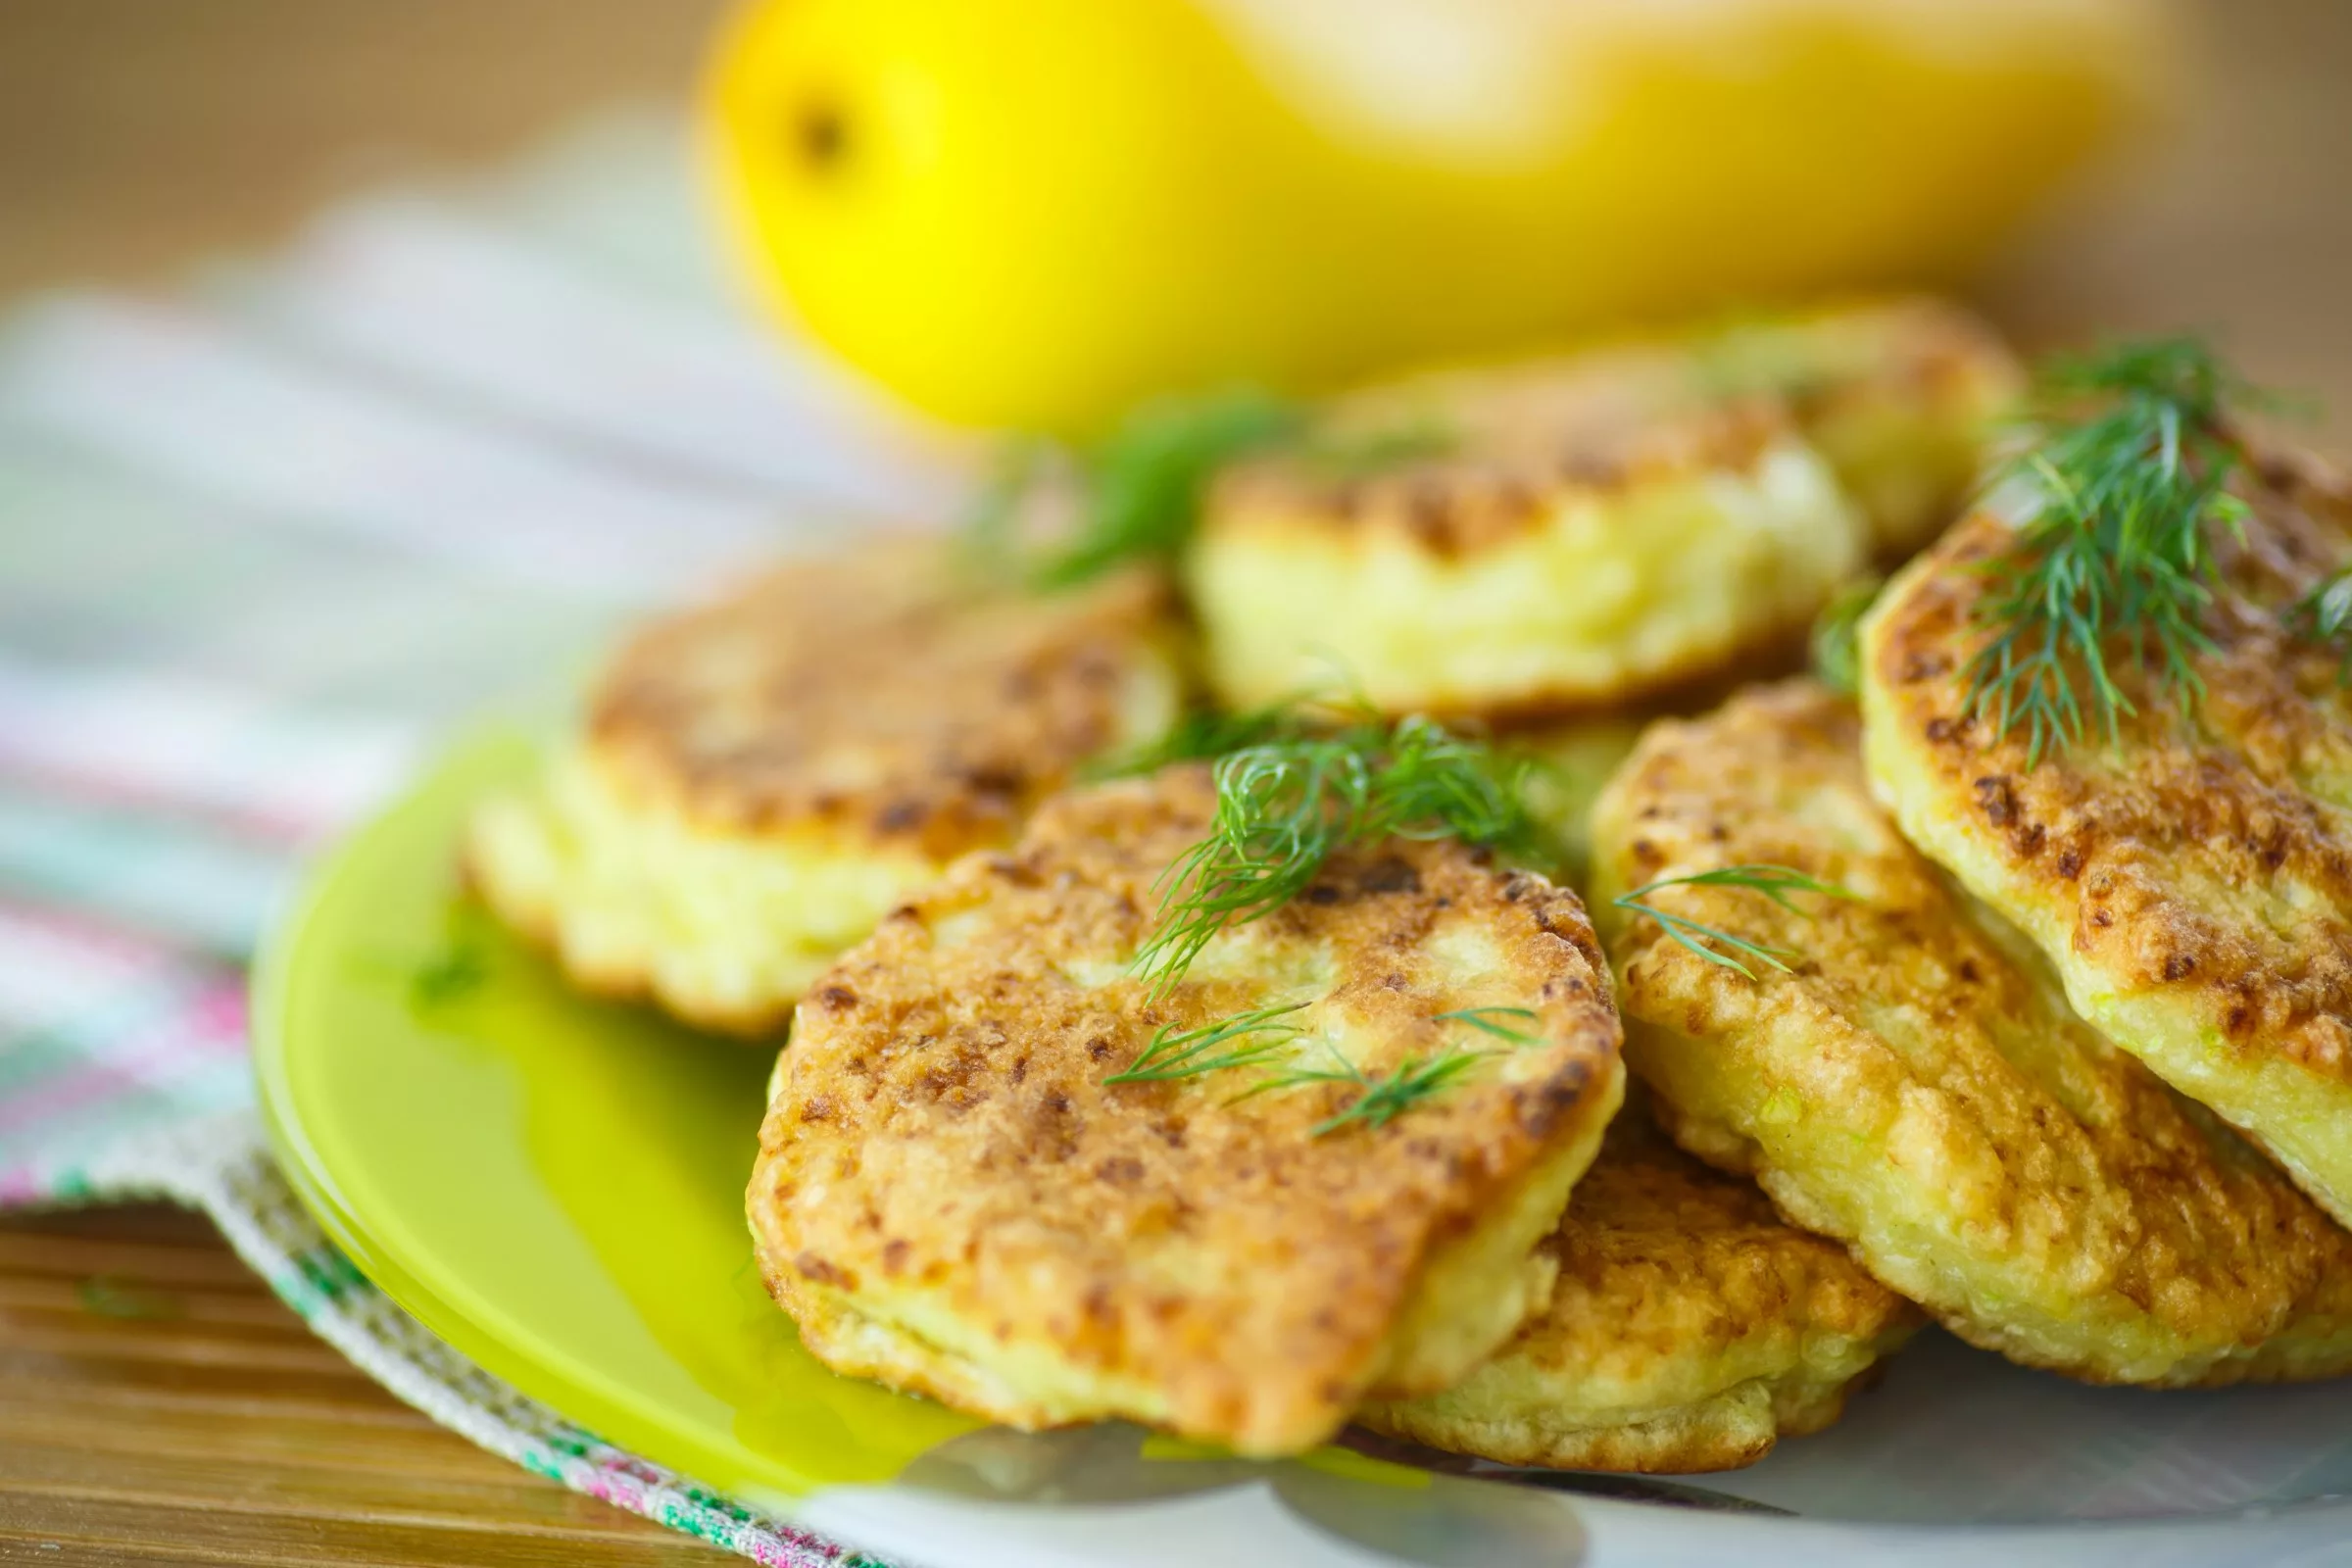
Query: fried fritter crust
x,y
1901,396
949,1198
1917,1088
1574,543
877,694
1689,1329
1526,540
2191,880
763,779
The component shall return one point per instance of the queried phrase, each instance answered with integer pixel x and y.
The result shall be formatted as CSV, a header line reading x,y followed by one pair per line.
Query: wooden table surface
x,y
157,1404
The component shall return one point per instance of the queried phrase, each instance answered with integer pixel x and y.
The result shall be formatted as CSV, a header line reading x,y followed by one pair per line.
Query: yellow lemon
x,y
1034,213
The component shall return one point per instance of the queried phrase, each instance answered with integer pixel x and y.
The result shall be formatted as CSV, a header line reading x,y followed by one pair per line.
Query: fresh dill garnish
x,y
2325,616
1142,485
1836,641
1140,489
989,542
457,970
1285,806
1210,1047
2129,457
1489,1020
1205,734
1207,1047
1380,1097
1774,882
1343,454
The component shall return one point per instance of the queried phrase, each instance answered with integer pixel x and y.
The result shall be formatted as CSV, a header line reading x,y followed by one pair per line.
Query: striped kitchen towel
x,y
259,543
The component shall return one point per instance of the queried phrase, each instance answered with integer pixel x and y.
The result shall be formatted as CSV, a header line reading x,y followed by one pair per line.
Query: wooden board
x,y
158,1405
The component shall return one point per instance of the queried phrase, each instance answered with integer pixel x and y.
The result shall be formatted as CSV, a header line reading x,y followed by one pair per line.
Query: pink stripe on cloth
x,y
103,1033
205,748
55,952
176,1034
271,828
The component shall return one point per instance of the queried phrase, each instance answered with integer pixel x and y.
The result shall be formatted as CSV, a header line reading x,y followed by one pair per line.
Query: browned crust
x,y
1521,442
2094,1173
1666,1266
1518,440
2248,792
944,1131
1661,1256
877,694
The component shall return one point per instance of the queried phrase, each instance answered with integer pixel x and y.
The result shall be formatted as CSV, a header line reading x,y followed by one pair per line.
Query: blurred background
x,y
139,135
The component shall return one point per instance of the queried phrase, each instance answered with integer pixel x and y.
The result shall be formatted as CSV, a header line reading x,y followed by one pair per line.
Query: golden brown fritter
x,y
763,779
950,1197
1690,1329
1576,542
1902,397
2191,880
878,694
1917,1088
1554,535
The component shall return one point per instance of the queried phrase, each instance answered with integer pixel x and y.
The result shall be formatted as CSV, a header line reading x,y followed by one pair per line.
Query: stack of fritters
x,y
1915,1085
2190,876
1351,1161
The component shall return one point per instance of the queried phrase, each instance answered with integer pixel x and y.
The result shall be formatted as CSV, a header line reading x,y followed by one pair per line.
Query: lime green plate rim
x,y
580,1394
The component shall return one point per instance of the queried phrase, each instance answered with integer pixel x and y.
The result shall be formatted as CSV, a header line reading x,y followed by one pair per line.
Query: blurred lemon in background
x,y
1036,213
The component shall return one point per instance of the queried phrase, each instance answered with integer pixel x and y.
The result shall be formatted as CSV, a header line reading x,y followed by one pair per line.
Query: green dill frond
x,y
2323,615
2129,455
1489,1020
1204,734
987,548
1836,641
1142,485
1140,489
1380,1098
1357,455
458,969
1285,806
1210,1047
1774,882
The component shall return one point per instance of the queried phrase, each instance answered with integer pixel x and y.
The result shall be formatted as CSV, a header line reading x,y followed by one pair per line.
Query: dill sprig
x,y
1285,806
2128,458
1142,485
458,969
1836,642
1355,454
1211,1047
1381,1098
987,548
1489,1020
2325,616
1774,882
1207,733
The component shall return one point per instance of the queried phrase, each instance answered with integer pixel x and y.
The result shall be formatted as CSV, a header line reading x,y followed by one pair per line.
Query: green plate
x,y
551,1184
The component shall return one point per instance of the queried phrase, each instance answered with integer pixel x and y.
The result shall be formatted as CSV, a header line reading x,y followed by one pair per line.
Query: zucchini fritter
x,y
1572,548
951,1198
1575,532
1901,397
763,779
1917,1087
1690,1329
2189,878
